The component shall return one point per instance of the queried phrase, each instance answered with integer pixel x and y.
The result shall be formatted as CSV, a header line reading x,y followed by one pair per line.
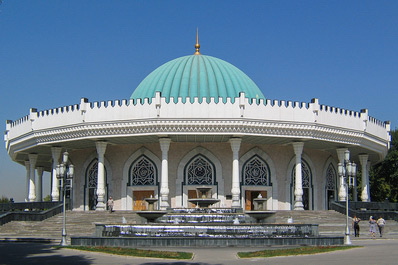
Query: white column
x,y
101,147
363,159
55,152
39,184
164,182
27,166
235,146
32,186
298,184
342,189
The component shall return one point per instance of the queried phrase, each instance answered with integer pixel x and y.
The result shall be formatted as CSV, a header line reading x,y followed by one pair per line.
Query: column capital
x,y
33,159
27,164
164,144
56,152
101,147
298,147
341,153
235,144
363,159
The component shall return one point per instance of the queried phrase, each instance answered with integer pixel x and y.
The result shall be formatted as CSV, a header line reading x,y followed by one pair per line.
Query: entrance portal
x,y
250,196
192,194
139,203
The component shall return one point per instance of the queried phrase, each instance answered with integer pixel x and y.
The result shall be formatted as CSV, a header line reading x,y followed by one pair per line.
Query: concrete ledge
x,y
203,242
29,240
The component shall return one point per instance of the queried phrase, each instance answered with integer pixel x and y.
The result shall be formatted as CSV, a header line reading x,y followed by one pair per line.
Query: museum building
x,y
198,121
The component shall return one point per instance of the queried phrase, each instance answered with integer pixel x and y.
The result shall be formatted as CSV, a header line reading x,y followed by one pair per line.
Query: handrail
x,y
385,206
30,215
366,210
23,206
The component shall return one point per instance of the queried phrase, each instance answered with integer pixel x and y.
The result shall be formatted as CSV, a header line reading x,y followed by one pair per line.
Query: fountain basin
x,y
261,216
151,203
203,202
151,216
229,231
260,203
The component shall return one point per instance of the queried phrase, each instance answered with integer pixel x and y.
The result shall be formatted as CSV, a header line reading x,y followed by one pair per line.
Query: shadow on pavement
x,y
177,263
33,253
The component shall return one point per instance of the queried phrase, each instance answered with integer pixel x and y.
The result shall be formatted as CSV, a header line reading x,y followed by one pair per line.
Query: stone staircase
x,y
77,224
83,224
331,222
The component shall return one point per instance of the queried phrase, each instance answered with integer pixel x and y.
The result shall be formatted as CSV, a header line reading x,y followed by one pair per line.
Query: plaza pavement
x,y
374,251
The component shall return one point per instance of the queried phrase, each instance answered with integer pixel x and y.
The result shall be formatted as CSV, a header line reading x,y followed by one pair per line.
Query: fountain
x,y
260,202
203,200
151,203
151,214
260,214
205,226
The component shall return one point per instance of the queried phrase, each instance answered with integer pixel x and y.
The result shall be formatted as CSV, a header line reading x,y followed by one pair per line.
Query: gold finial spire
x,y
197,45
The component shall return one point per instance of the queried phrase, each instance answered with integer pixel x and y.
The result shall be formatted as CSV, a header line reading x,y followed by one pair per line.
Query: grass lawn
x,y
135,252
304,250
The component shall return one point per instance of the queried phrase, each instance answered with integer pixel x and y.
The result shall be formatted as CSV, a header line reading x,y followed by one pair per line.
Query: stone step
x,y
83,223
77,223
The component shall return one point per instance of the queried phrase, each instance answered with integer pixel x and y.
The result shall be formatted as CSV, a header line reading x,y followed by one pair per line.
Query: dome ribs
x,y
199,77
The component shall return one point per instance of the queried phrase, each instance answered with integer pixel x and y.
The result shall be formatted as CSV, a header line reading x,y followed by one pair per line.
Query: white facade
x,y
245,148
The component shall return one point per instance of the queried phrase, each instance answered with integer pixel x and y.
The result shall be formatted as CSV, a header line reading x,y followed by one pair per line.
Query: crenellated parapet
x,y
157,116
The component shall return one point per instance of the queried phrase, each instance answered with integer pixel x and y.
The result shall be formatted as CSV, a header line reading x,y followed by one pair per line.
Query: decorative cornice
x,y
194,126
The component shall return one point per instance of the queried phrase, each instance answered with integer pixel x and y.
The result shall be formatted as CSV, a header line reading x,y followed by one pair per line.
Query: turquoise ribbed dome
x,y
197,76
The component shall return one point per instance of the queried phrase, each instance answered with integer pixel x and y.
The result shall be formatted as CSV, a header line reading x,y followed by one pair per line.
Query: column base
x,y
164,205
298,206
236,204
100,206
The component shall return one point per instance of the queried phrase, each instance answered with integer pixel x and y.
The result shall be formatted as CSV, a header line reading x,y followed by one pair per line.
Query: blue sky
x,y
52,53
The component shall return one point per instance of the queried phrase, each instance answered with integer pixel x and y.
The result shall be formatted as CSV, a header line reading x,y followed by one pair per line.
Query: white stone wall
x,y
88,120
117,159
118,122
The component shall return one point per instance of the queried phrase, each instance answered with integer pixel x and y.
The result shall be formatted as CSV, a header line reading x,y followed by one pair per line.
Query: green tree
x,y
4,199
47,198
383,177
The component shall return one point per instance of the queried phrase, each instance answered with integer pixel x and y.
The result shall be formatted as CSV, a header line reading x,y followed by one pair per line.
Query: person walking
x,y
380,224
110,205
372,227
355,225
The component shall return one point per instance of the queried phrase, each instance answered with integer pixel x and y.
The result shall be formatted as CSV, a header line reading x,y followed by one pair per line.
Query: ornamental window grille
x,y
331,178
92,183
306,175
92,174
256,172
143,172
200,172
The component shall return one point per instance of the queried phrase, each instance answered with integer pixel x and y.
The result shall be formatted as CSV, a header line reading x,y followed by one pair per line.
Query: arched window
x,y
331,178
142,172
256,172
92,174
199,171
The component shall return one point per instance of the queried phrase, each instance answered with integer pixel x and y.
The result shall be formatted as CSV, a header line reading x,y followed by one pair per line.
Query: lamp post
x,y
64,172
347,170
